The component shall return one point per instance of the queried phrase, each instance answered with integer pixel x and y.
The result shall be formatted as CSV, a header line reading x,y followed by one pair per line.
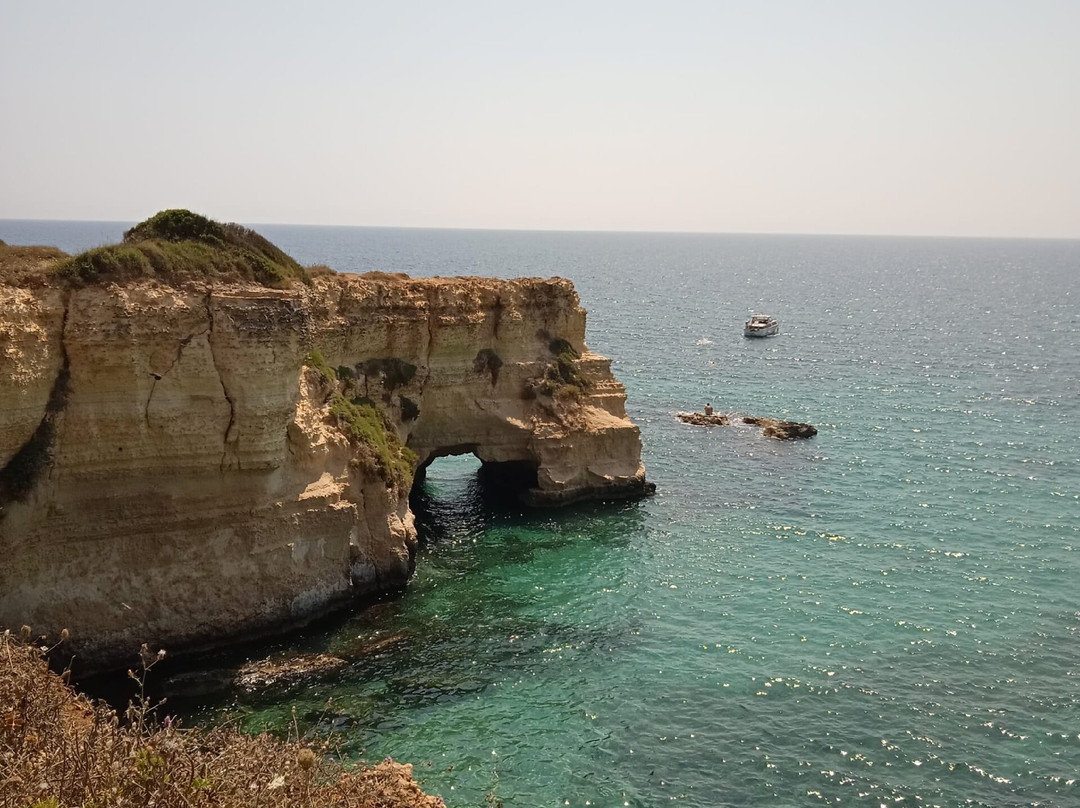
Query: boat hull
x,y
766,331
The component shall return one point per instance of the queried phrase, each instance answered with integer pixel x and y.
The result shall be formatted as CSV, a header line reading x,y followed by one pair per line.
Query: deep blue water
x,y
886,614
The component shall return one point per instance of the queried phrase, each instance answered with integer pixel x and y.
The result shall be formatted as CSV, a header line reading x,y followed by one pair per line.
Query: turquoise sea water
x,y
886,614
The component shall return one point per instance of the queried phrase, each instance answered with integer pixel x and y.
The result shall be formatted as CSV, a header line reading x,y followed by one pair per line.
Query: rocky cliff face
x,y
184,465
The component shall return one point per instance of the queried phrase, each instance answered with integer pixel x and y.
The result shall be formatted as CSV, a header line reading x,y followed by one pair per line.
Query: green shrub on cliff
x,y
364,425
315,359
178,245
560,346
177,225
563,379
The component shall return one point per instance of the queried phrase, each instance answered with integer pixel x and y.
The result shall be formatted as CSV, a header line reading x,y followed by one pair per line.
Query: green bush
x,y
563,379
177,225
178,245
560,346
315,359
101,263
365,427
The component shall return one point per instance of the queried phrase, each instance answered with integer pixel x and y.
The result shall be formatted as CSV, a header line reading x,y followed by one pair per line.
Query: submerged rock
x,y
287,672
277,672
781,430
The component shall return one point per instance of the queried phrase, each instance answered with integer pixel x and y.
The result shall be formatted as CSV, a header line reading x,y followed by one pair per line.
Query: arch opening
x,y
454,487
497,481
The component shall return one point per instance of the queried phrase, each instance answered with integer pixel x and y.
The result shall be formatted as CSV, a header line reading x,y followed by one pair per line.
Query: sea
x,y
886,614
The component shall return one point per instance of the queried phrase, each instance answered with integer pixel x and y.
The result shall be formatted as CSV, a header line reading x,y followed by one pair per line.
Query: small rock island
x,y
770,427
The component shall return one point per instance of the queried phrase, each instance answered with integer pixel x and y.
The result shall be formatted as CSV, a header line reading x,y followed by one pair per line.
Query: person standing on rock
x,y
708,409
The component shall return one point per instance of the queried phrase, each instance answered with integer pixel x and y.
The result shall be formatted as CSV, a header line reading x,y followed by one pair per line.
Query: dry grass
x,y
20,265
57,749
387,277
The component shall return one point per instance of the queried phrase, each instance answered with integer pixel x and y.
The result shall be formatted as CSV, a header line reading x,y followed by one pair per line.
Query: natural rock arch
x,y
198,486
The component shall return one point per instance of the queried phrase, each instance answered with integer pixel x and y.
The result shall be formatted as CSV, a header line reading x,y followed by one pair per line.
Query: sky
x,y
949,117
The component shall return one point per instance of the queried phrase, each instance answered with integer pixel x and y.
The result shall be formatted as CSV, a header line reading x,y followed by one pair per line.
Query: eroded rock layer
x,y
176,464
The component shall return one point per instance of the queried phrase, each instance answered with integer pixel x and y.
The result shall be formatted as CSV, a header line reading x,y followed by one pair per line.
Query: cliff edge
x,y
188,458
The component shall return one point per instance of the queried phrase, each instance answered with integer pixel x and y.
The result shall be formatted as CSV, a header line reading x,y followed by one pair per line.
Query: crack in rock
x,y
227,438
159,376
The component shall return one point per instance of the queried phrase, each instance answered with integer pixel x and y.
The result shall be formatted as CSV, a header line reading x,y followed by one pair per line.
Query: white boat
x,y
761,325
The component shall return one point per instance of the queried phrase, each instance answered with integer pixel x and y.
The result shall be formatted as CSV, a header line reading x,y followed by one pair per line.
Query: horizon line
x,y
597,231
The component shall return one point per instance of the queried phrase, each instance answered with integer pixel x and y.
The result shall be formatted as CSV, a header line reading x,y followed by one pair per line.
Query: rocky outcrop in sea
x,y
770,427
185,462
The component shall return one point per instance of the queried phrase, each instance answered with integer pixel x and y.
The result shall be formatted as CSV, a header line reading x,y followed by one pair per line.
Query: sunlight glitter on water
x,y
882,615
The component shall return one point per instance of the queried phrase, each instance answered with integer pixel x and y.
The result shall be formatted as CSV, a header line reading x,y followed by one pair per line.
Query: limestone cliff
x,y
173,469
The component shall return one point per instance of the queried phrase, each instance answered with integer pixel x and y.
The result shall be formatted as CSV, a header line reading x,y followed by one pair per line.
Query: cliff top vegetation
x,y
173,246
18,263
178,245
57,749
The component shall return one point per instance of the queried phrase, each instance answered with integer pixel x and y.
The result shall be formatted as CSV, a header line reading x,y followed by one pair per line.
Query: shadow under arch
x,y
458,496
463,493
498,483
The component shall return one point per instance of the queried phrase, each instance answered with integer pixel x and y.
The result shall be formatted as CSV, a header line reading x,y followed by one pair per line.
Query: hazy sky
x,y
908,117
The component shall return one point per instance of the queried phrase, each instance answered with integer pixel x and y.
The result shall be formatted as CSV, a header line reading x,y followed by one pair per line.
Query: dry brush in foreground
x,y
59,749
